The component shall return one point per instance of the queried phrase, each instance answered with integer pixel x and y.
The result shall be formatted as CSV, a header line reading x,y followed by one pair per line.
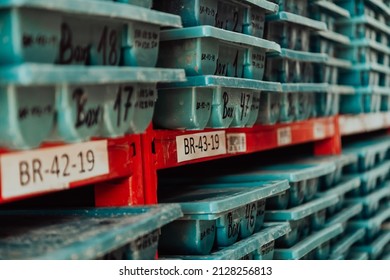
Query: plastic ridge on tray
x,y
342,247
80,234
375,248
297,19
309,244
344,215
331,7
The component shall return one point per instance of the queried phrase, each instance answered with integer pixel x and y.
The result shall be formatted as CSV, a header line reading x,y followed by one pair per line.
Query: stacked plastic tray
x,y
128,233
334,44
373,169
294,67
222,50
221,221
369,52
59,74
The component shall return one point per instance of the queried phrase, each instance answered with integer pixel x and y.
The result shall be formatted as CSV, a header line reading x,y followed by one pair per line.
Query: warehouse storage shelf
x,y
354,124
55,166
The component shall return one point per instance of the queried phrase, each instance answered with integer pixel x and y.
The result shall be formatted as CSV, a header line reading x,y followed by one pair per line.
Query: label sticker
x,y
236,142
200,145
54,168
319,131
284,136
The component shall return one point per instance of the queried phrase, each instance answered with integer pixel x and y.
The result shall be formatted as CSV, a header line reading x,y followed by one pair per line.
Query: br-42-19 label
x,y
46,169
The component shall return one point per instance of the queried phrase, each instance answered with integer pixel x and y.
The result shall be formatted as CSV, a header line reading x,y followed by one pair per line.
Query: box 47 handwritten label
x,y
200,145
47,169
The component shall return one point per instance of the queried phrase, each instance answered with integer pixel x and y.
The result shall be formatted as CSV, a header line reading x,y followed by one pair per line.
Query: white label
x,y
54,168
284,136
236,142
200,145
319,131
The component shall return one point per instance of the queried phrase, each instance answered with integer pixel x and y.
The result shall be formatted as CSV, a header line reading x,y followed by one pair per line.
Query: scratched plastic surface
x,y
315,246
372,201
370,153
345,186
215,215
291,31
373,224
376,247
83,233
291,66
210,101
87,101
207,50
303,219
259,246
80,32
342,247
247,16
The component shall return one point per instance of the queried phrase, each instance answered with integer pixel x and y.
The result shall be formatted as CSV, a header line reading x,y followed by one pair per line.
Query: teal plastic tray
x,y
372,201
376,247
210,101
303,176
292,31
373,224
364,26
365,75
341,162
341,248
87,101
215,215
361,103
127,233
372,179
347,185
361,7
370,153
142,3
299,7
80,32
303,219
207,50
247,16
358,256
259,246
291,66
315,246
347,213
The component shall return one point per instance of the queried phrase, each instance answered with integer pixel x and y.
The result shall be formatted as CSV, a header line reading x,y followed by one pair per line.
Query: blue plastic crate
x,y
124,233
376,247
259,246
80,32
372,202
315,246
291,31
341,248
214,215
297,102
361,27
291,66
210,101
207,50
364,7
347,185
247,16
373,224
302,175
370,153
303,219
299,7
87,101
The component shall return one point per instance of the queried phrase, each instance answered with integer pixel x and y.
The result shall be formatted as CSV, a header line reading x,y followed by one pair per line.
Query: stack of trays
x,y
332,43
304,95
369,52
108,233
223,53
59,74
221,221
374,193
